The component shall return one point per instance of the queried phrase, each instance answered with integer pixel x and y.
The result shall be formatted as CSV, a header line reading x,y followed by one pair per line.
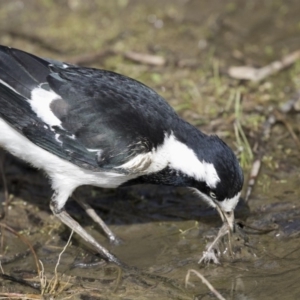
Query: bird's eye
x,y
212,195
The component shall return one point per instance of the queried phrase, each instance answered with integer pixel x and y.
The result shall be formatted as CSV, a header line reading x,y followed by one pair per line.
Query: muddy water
x,y
164,230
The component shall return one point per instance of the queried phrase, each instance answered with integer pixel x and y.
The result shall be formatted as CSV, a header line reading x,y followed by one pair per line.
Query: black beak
x,y
228,217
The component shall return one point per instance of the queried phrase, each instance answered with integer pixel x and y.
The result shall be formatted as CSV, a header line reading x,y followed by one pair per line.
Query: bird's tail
x,y
21,71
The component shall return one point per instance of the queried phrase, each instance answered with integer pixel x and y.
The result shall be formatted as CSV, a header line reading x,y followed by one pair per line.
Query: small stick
x,y
266,131
253,176
276,117
144,58
43,279
204,281
25,241
258,74
57,264
61,253
20,296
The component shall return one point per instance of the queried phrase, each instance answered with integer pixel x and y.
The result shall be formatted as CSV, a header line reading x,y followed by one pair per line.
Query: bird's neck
x,y
188,134
167,176
175,162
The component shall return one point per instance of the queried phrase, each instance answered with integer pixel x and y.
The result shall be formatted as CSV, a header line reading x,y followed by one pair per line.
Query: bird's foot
x,y
229,248
212,252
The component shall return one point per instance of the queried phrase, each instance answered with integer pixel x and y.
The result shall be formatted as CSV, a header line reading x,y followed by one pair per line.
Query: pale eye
x,y
212,195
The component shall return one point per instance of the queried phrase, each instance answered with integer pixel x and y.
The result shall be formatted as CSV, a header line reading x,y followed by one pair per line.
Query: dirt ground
x,y
165,230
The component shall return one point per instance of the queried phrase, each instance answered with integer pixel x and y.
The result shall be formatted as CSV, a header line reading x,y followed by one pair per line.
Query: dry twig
x,y
204,281
20,296
258,74
53,284
144,58
25,241
253,175
276,116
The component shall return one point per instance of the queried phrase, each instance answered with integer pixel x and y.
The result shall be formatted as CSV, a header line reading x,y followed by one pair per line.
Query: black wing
x,y
105,119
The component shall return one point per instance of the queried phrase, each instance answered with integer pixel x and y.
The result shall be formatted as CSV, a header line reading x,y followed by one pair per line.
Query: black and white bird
x,y
86,126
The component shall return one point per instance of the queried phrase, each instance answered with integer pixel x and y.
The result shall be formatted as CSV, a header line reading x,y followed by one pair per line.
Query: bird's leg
x,y
72,224
93,215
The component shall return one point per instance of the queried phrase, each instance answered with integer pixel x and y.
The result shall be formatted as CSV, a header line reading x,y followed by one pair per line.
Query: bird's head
x,y
222,179
195,160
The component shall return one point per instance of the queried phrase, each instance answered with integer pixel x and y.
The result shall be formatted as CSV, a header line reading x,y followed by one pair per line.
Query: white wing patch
x,y
40,103
92,150
139,164
57,136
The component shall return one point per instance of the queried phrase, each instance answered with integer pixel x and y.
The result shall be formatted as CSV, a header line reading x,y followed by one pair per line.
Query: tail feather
x,y
20,73
23,72
23,88
13,106
36,68
14,75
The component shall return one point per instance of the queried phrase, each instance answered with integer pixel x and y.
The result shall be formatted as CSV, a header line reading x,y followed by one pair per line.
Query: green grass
x,y
246,154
